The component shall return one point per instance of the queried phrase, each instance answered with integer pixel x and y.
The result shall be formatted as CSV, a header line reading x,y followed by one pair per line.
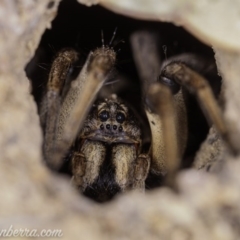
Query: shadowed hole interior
x,y
79,27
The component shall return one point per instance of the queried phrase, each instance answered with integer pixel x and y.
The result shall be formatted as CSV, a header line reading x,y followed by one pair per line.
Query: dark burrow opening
x,y
79,27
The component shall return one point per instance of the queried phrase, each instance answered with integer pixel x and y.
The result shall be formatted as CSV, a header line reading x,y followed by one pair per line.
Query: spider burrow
x,y
104,136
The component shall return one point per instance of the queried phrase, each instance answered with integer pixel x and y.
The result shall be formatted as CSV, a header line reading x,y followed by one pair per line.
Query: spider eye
x,y
175,87
120,117
104,115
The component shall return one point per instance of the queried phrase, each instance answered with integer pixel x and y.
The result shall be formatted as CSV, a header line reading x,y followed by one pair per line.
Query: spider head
x,y
111,121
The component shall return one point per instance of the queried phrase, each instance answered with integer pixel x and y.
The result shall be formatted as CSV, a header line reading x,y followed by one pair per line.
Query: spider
x,y
104,135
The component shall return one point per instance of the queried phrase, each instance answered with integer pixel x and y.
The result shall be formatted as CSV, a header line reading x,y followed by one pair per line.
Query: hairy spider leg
x,y
80,97
51,103
162,103
198,85
164,145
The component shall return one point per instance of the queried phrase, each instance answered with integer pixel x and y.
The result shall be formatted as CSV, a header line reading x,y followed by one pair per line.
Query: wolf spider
x,y
104,136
